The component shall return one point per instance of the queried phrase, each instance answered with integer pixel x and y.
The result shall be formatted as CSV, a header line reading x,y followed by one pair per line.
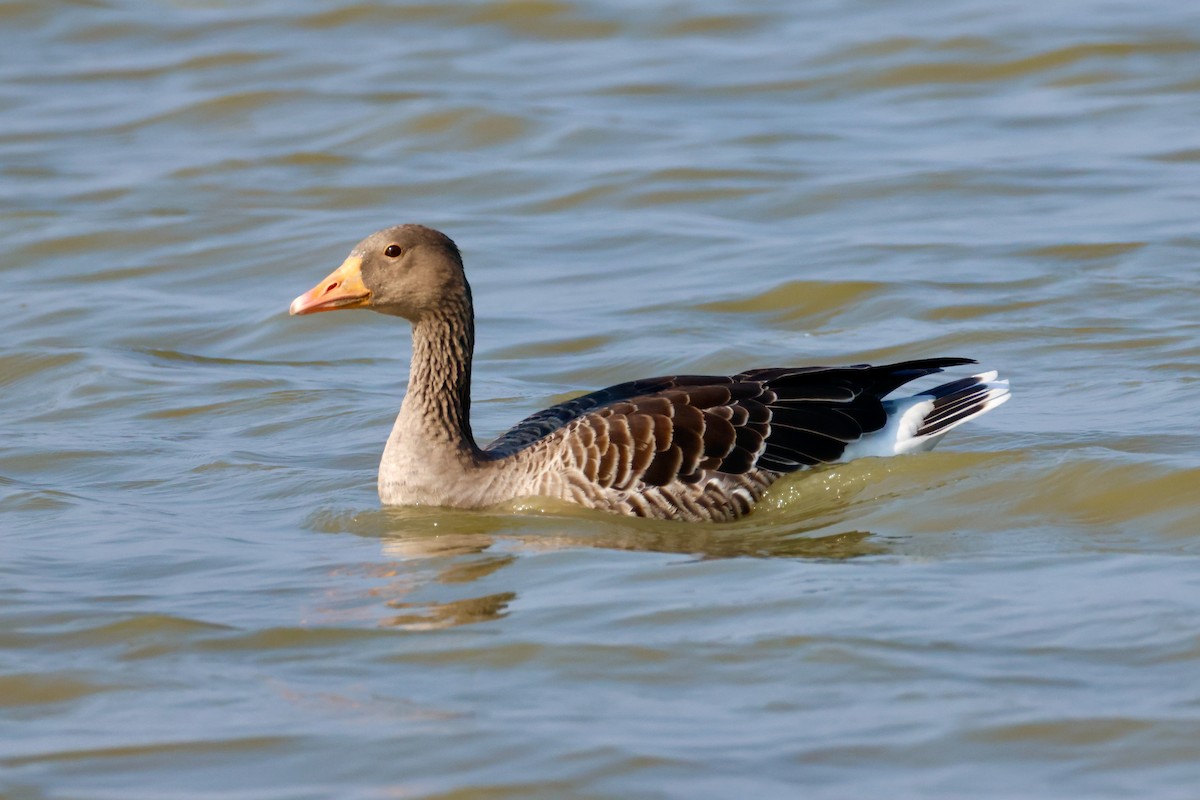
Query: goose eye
x,y
392,250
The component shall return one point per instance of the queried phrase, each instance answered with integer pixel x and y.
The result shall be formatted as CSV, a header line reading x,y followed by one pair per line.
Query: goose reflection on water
x,y
434,551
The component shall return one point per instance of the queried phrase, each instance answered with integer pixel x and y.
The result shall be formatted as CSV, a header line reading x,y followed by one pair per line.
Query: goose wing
x,y
662,429
542,423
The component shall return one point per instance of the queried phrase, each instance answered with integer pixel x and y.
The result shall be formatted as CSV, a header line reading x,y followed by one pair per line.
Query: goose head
x,y
407,271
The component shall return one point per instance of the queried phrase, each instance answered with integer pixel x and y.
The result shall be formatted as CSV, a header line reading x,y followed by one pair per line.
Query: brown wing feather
x,y
540,425
665,429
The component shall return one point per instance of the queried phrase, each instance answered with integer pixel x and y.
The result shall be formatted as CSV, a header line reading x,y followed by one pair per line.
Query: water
x,y
200,597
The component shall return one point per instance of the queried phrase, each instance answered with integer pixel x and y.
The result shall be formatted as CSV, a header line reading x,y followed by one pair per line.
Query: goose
x,y
683,447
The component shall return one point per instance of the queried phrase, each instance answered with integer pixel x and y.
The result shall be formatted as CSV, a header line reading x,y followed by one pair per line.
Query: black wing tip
x,y
919,368
934,364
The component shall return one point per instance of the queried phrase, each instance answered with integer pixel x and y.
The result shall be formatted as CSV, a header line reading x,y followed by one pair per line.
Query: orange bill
x,y
342,289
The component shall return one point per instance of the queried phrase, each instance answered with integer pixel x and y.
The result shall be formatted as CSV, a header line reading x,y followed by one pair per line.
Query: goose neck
x,y
437,406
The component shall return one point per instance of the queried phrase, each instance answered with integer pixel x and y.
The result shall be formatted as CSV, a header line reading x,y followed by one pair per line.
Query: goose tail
x,y
919,422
